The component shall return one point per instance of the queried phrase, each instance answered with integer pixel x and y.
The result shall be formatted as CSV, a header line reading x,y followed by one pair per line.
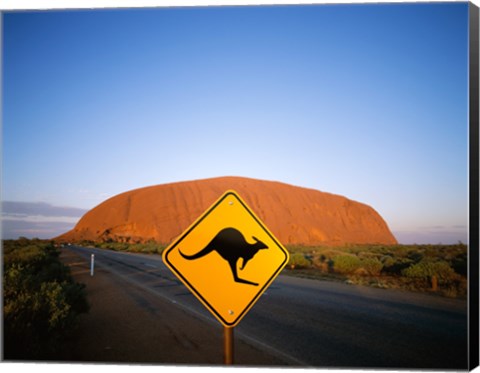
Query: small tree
x,y
435,272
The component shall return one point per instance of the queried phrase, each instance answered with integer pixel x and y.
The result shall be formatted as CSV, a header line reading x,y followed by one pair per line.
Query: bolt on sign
x,y
227,258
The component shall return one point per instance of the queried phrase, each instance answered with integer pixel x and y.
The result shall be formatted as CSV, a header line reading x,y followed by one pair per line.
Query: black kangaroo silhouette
x,y
231,245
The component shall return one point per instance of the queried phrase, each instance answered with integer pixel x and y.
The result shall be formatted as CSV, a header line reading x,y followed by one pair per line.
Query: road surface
x,y
320,323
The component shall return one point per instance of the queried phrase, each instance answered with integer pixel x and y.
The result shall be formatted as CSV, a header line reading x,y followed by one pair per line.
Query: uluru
x,y
295,215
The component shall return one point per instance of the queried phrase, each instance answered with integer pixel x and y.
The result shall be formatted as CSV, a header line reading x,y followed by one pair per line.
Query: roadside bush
x,y
426,270
415,255
346,264
298,260
150,247
41,301
410,267
395,266
387,261
115,246
372,266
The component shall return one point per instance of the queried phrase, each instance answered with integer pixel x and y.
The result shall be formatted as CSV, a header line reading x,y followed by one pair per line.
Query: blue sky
x,y
365,101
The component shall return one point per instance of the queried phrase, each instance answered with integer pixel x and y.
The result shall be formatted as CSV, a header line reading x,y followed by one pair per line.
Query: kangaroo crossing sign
x,y
227,258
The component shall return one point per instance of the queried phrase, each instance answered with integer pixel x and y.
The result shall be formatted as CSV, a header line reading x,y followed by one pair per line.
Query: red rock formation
x,y
293,214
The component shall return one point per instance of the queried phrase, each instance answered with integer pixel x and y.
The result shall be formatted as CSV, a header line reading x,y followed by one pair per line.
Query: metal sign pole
x,y
228,345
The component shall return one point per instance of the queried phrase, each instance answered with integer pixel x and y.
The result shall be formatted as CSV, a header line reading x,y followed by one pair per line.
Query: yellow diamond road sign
x,y
227,258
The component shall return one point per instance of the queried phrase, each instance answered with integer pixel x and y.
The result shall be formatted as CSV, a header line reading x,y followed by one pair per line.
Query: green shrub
x,y
372,266
298,260
395,266
387,261
150,247
392,266
346,264
41,301
415,255
427,269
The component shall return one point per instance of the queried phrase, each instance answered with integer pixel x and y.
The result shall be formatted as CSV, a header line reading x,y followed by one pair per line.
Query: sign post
x,y
228,345
227,258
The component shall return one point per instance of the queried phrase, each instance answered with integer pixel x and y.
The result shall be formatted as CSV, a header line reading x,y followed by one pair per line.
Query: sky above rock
x,y
366,101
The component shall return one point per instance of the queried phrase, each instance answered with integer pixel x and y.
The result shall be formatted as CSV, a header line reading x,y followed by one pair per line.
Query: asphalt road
x,y
320,323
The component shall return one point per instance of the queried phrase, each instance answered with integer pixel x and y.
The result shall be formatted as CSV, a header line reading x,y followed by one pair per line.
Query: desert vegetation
x,y
439,269
434,268
41,301
150,247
